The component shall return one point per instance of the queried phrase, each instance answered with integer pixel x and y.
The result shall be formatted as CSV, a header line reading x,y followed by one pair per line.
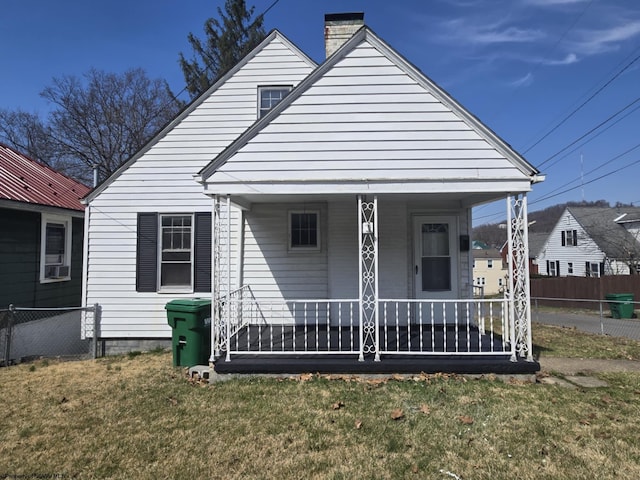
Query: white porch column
x,y
368,271
518,259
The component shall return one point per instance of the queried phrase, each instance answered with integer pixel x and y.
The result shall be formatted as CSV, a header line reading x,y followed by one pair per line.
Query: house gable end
x,y
275,47
366,114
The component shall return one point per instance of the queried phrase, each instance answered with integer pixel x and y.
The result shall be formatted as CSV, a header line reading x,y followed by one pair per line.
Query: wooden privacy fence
x,y
585,288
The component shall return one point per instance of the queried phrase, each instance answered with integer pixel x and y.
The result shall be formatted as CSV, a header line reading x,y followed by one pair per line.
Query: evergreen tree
x,y
228,39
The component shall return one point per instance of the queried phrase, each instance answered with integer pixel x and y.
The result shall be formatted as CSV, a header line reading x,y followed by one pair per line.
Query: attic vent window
x,y
269,97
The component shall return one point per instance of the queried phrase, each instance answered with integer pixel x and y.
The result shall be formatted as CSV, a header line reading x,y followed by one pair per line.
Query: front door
x,y
435,258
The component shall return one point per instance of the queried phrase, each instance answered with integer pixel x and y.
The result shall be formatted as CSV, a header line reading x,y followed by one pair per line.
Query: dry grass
x,y
554,341
137,417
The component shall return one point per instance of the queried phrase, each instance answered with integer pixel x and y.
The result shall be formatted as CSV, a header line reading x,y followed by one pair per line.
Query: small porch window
x,y
490,263
304,231
176,251
55,258
269,97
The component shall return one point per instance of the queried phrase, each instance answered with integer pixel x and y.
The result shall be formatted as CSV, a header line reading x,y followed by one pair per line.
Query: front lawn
x,y
137,417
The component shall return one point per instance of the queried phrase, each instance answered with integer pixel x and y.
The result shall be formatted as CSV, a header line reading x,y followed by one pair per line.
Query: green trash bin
x,y
621,304
190,320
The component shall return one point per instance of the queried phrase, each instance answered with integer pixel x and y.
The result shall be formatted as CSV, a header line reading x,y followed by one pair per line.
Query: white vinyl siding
x,y
367,119
585,251
270,268
161,180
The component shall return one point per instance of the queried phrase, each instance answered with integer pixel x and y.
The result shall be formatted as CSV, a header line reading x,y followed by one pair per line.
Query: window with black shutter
x,y
173,252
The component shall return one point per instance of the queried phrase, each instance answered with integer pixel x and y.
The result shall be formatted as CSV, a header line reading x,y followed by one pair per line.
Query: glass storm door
x,y
435,257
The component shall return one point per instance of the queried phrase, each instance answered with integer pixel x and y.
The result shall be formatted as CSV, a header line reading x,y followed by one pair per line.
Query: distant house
x,y
489,271
41,236
593,241
325,209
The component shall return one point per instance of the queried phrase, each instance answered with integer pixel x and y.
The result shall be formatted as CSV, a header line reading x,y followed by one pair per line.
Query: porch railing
x,y
246,325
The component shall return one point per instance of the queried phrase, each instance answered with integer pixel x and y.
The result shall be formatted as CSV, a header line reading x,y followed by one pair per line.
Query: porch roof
x,y
367,121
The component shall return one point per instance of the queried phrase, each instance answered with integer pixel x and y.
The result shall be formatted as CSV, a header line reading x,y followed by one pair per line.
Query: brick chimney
x,y
340,27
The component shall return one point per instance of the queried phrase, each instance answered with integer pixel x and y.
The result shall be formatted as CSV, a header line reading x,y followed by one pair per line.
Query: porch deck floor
x,y
279,349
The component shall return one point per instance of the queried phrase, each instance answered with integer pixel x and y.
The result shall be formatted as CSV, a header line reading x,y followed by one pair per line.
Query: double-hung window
x,y
269,97
55,248
569,238
173,252
304,230
176,251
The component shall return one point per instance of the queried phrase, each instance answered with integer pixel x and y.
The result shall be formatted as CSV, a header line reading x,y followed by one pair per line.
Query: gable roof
x,y
611,237
196,102
25,180
488,253
537,241
362,35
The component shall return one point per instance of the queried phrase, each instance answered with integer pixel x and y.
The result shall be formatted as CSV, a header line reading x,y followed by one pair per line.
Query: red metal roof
x,y
25,180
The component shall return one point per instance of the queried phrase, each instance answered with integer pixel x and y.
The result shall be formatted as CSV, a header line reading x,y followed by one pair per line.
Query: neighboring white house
x,y
592,241
489,271
339,197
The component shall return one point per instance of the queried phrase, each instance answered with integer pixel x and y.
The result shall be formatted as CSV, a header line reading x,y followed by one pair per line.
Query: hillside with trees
x,y
541,221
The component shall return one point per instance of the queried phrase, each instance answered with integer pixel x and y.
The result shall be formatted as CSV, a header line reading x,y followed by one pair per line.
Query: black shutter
x,y
557,268
587,269
575,238
601,269
548,269
202,254
564,240
147,253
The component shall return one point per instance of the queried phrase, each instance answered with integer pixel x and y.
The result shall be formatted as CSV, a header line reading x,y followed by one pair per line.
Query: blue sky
x,y
520,66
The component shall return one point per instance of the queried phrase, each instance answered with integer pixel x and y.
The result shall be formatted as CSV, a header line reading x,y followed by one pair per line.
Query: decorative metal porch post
x,y
518,258
368,270
221,275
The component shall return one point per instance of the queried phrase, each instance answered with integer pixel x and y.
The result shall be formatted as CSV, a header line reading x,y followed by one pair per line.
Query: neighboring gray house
x,y
326,210
593,241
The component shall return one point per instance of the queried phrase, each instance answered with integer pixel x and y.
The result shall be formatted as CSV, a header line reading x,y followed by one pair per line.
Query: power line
x,y
604,122
547,54
591,97
592,138
547,197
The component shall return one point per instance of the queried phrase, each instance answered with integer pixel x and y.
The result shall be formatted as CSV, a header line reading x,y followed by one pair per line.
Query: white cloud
x,y
591,42
552,3
463,31
523,81
568,60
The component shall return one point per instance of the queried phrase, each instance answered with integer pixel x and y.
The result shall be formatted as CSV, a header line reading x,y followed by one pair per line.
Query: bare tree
x,y
27,133
103,119
228,40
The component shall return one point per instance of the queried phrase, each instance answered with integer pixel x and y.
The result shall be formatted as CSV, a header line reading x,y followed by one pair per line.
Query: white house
x,y
593,241
326,208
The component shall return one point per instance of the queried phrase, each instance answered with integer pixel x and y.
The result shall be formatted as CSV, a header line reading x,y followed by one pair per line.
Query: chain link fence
x,y
31,333
593,316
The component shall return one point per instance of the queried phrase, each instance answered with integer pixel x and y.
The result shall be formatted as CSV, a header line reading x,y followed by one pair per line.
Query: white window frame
x,y
594,273
570,268
311,248
66,260
489,263
569,239
265,88
552,269
175,288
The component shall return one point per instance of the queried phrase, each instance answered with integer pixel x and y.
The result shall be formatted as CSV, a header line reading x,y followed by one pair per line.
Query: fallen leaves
x,y
338,405
358,424
465,419
425,409
397,414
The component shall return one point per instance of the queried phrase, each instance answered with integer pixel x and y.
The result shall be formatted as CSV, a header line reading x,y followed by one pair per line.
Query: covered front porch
x,y
437,326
